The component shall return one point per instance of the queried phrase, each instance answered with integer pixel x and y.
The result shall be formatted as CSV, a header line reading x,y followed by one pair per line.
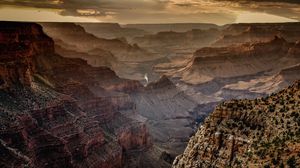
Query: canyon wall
x,y
241,133
50,114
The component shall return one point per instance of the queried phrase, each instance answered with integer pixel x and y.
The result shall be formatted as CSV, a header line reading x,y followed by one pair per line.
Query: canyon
x,y
109,95
50,116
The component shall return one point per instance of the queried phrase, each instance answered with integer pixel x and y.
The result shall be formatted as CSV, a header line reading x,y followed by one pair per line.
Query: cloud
x,y
97,7
187,4
284,8
162,11
262,1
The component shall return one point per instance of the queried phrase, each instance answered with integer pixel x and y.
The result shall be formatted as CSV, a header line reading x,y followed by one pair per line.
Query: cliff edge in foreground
x,y
262,132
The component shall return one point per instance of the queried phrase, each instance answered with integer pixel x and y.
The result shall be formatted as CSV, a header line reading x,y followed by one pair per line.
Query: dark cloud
x,y
68,7
187,4
285,8
99,7
262,1
134,11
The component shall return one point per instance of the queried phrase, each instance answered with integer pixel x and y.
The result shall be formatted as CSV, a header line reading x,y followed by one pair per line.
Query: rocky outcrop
x,y
17,52
240,133
112,30
58,112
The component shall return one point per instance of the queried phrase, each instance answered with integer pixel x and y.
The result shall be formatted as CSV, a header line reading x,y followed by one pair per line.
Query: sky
x,y
151,11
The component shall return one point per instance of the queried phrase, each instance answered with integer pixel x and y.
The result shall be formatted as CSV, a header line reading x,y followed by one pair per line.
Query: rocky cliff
x,y
58,112
241,60
189,39
260,32
17,52
176,27
127,60
248,133
112,30
76,35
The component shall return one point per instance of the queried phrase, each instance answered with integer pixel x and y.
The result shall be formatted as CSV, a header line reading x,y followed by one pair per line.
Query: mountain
x,y
61,112
259,32
75,35
128,61
262,132
112,30
176,27
240,60
194,38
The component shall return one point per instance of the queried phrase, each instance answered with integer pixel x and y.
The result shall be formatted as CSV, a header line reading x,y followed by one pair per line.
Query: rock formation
x,y
189,39
248,133
260,32
76,35
112,30
58,112
240,60
177,27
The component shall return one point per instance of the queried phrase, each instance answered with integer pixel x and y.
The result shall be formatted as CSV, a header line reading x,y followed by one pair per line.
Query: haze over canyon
x,y
149,84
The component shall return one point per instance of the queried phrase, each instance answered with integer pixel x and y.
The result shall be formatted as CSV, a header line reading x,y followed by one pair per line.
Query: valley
x,y
111,95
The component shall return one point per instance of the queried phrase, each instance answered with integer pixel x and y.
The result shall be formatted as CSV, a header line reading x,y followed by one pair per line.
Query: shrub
x,y
291,162
275,161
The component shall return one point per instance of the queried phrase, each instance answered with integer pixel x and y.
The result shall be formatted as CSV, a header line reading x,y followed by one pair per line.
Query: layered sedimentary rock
x,y
268,84
241,60
128,61
177,44
112,30
17,52
241,33
177,27
240,133
76,35
58,112
190,39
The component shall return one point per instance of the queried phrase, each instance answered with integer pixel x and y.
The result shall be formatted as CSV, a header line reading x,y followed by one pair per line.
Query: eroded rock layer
x,y
59,112
248,133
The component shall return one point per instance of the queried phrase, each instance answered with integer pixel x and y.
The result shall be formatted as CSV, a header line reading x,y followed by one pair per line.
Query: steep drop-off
x,y
248,133
59,112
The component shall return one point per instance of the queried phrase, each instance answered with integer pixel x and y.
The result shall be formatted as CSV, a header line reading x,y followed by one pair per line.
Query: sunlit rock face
x,y
240,60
